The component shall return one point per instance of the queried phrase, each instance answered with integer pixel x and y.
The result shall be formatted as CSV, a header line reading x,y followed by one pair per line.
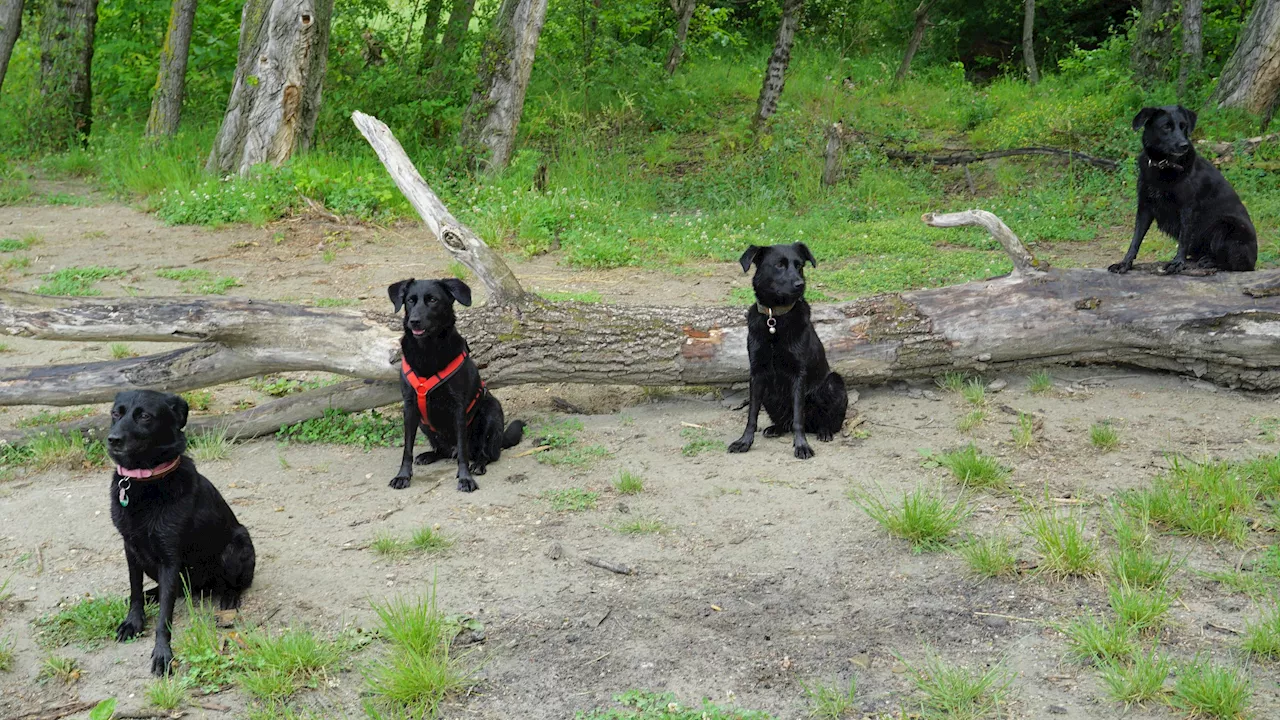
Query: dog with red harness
x,y
441,386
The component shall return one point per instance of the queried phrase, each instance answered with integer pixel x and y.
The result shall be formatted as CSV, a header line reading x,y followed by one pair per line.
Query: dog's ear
x,y
395,291
1190,116
179,407
751,255
1143,117
458,290
804,253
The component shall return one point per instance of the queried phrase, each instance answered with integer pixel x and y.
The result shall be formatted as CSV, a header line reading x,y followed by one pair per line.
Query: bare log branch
x,y
831,155
1024,263
461,242
964,157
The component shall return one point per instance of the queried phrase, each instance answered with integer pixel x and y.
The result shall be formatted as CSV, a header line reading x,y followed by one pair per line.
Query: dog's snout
x,y
1183,146
115,440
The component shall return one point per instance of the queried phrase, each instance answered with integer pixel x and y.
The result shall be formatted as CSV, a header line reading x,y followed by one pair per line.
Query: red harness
x,y
423,387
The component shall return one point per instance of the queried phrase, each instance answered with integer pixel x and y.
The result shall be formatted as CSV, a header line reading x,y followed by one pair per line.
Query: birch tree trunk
x,y
430,28
775,74
1028,40
10,29
685,13
1251,77
1154,44
66,64
166,105
1192,43
492,118
275,97
917,36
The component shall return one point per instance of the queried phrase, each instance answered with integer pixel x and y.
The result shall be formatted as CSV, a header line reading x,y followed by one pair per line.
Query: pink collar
x,y
150,473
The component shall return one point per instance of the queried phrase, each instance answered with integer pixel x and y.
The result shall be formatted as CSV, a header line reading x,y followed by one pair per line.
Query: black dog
x,y
789,373
1187,198
442,388
176,527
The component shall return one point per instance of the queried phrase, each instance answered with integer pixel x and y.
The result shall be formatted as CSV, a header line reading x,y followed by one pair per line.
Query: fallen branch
x,y
1024,263
611,567
54,713
1227,150
964,157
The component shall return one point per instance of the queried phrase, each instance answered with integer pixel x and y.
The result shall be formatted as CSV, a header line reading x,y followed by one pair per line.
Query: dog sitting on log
x,y
441,386
789,372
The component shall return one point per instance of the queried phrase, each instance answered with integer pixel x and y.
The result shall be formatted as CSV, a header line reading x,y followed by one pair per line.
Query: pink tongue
x,y
417,332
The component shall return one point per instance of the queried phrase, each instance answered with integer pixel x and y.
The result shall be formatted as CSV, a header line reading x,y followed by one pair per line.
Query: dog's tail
x,y
513,435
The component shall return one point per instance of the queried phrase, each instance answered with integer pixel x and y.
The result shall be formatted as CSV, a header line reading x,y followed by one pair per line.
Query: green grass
x,y
1204,500
335,302
1212,691
168,693
925,519
184,275
644,705
570,499
8,245
1091,640
76,281
418,670
16,264
974,469
641,526
198,400
1104,436
1142,609
1039,382
424,539
832,701
1024,432
1262,637
199,648
1060,540
959,693
210,445
989,557
218,286
198,281
367,429
275,666
45,417
952,382
588,296
458,270
566,448
63,669
7,653
975,392
971,420
629,483
1136,680
277,386
88,623
698,441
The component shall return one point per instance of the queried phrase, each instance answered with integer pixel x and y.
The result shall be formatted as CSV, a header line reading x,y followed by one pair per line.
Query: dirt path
x,y
765,576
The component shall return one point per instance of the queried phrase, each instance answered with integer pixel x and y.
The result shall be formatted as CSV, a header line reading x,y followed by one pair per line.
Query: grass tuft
x,y
1139,680
1104,436
975,392
89,623
958,693
1199,499
629,483
210,445
368,429
274,667
1212,691
642,526
76,281
1091,640
1061,542
830,701
7,653
698,441
1024,432
56,667
990,557
570,499
1040,382
971,420
924,519
1142,609
419,671
168,693
53,449
974,469
1262,638
952,382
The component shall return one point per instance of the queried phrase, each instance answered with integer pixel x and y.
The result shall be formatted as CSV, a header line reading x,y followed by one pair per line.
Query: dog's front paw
x,y
740,445
1121,267
1173,267
826,436
479,468
401,482
426,458
774,431
129,629
467,484
161,660
804,452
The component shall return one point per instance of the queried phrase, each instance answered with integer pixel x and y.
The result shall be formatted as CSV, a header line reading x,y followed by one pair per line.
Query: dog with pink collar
x,y
177,528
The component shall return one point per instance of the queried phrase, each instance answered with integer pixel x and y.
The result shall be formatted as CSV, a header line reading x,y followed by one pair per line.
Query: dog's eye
x,y
430,299
144,416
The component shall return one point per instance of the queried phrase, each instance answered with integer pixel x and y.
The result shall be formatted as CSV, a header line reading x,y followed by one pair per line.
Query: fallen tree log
x,y
964,157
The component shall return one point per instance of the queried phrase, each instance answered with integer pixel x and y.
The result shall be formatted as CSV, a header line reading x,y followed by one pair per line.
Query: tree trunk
x,y
10,28
831,155
430,28
66,64
1251,77
492,118
1154,44
775,74
685,13
275,97
1192,43
166,106
1028,40
917,36
454,33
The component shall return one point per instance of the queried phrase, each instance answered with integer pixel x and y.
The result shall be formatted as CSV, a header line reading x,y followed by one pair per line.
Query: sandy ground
x,y
766,577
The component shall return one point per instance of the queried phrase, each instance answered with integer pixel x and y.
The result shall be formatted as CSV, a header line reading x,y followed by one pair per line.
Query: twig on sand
x,y
54,713
531,451
611,567
1009,617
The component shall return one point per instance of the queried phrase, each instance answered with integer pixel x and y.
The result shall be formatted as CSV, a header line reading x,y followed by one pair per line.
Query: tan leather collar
x,y
774,311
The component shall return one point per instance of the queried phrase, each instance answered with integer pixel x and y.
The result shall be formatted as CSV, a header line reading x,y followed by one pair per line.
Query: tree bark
x,y
775,74
66,64
1192,43
430,28
10,29
831,155
1028,40
1154,44
492,118
166,105
1251,77
275,97
454,33
917,37
684,11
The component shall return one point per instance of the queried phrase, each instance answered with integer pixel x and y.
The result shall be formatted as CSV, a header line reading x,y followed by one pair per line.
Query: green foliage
x,y
55,449
1137,679
629,483
1060,539
367,429
989,557
7,653
830,701
570,499
1040,382
561,436
273,667
1104,436
1199,499
699,440
1097,641
210,445
76,281
1212,691
925,519
958,693
643,705
641,526
46,417
419,671
168,693
89,623
1262,637
974,469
